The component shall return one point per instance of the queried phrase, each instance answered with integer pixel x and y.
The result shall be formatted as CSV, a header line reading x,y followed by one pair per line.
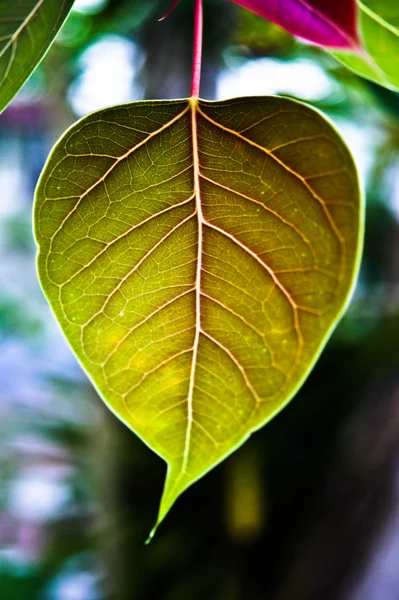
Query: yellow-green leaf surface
x,y
379,31
197,256
27,28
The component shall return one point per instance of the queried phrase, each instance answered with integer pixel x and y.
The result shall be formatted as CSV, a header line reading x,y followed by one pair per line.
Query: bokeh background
x,y
308,508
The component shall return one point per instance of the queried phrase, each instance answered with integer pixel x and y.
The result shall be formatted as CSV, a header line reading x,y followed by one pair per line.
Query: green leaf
x,y
197,256
27,28
379,31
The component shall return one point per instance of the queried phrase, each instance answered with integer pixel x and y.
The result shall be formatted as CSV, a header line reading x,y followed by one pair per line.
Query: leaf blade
x,y
379,32
27,29
329,24
196,352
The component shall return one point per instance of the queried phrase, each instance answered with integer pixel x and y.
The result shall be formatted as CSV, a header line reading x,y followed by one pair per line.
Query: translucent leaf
x,y
197,256
379,32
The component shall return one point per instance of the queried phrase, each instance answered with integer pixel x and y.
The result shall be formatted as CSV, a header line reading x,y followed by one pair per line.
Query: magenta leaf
x,y
329,23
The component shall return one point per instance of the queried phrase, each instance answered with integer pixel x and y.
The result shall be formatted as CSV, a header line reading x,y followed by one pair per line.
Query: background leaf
x,y
379,31
27,28
197,259
330,24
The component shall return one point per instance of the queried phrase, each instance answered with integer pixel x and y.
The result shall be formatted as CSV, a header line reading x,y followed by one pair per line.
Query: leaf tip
x,y
173,488
164,508
151,535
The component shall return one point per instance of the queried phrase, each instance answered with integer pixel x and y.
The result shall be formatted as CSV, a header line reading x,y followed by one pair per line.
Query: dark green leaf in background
x,y
27,28
197,256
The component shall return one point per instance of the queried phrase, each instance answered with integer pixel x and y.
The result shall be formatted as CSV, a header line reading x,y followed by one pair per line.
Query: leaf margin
x,y
165,505
64,13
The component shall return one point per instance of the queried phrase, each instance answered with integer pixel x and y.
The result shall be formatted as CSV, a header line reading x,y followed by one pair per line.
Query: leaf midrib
x,y
201,223
193,104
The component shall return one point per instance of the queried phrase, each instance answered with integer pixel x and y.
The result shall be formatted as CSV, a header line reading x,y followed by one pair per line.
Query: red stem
x,y
197,49
170,10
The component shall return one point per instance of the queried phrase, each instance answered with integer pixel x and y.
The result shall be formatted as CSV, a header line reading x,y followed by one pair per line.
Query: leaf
x,y
329,23
197,256
27,28
379,32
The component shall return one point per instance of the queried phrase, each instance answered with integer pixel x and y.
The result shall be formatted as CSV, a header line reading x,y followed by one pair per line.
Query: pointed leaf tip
x,y
150,536
170,493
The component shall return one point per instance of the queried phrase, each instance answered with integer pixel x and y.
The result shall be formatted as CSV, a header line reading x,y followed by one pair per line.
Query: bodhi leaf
x,y
329,23
197,256
379,31
27,28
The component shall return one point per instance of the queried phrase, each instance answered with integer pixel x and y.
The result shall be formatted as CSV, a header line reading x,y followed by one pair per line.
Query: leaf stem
x,y
197,49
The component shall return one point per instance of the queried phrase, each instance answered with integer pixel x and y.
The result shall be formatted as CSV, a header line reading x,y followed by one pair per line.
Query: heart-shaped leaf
x,y
197,256
27,28
329,23
379,32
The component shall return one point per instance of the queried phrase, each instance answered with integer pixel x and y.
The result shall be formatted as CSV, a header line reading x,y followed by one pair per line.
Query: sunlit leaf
x,y
328,23
379,31
197,256
27,28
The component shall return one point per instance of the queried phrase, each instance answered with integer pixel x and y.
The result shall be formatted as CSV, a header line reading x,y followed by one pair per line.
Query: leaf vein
x,y
287,168
120,159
